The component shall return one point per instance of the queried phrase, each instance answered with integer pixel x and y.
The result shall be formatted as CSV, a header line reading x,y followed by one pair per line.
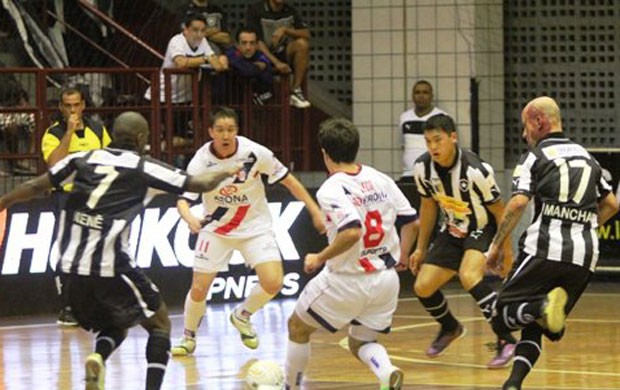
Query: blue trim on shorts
x,y
321,321
384,331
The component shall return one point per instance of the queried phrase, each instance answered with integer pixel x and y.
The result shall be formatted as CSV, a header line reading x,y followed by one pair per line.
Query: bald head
x,y
130,131
540,117
546,106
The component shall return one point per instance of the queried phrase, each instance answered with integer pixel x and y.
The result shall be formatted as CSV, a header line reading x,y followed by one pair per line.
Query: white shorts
x,y
332,300
213,251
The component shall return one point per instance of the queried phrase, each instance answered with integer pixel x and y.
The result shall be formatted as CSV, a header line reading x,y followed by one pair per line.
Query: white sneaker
x,y
186,346
95,372
298,99
246,330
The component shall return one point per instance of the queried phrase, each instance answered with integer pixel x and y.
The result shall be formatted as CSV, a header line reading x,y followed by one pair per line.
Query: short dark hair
x,y
245,29
191,16
440,122
71,91
340,139
422,82
223,112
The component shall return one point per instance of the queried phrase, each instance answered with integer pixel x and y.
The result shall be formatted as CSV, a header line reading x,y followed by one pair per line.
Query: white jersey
x,y
372,201
238,206
181,84
412,129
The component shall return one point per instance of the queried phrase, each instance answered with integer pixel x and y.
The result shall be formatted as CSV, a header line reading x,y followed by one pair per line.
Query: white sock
x,y
297,356
192,314
257,299
376,358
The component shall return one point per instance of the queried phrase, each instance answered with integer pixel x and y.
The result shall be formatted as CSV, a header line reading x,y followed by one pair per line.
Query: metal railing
x,y
110,91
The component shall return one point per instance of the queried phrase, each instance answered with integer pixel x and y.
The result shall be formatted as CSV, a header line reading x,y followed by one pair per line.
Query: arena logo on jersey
x,y
157,234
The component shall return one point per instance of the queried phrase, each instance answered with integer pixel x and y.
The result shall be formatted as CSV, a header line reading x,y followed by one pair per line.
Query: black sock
x,y
437,306
157,353
485,298
518,315
108,340
526,354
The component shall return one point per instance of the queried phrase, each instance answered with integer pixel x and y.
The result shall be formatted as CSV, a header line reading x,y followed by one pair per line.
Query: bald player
x,y
559,250
106,290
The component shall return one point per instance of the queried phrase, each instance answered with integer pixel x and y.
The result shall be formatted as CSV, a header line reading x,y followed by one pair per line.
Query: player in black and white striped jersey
x,y
559,250
462,186
107,292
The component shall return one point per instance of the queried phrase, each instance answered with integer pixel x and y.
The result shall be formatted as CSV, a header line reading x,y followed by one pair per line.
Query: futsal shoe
x,y
186,346
553,309
66,318
396,379
505,353
246,330
444,339
95,372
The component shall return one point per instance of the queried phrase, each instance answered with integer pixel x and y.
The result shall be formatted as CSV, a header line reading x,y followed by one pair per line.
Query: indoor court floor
x,y
37,354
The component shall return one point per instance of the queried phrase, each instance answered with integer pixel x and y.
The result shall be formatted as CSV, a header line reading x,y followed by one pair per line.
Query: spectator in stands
x,y
284,39
247,61
217,33
73,133
17,128
188,49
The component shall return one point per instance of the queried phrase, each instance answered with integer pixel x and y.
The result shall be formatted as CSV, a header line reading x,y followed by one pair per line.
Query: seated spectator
x,y
284,39
247,61
17,129
188,49
217,30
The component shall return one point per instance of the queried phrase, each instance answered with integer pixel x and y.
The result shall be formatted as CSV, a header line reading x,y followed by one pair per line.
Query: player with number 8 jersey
x,y
358,284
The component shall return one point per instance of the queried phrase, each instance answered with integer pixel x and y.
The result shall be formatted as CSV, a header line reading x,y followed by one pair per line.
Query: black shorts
x,y
120,302
531,278
447,251
408,187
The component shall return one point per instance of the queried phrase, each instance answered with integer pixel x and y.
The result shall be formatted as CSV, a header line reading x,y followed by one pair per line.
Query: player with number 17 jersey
x,y
238,206
369,199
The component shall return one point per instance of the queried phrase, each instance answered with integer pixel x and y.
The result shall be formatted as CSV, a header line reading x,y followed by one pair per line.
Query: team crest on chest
x,y
464,185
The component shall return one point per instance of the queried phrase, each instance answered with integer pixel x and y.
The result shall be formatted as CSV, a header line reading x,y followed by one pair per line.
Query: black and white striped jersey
x,y
566,183
462,191
110,188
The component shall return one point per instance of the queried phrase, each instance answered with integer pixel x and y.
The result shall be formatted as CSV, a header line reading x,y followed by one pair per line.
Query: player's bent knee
x,y
272,287
198,292
298,331
423,290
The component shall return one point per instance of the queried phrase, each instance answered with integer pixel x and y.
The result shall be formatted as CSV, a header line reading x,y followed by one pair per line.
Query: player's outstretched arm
x,y
208,181
26,191
300,193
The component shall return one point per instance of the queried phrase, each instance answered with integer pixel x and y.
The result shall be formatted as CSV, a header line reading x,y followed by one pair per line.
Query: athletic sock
x,y
257,299
297,356
193,313
526,354
376,358
437,306
485,298
108,340
157,354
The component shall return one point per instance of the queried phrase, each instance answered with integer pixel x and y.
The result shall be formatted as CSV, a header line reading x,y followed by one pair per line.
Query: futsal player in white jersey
x,y
358,284
236,216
